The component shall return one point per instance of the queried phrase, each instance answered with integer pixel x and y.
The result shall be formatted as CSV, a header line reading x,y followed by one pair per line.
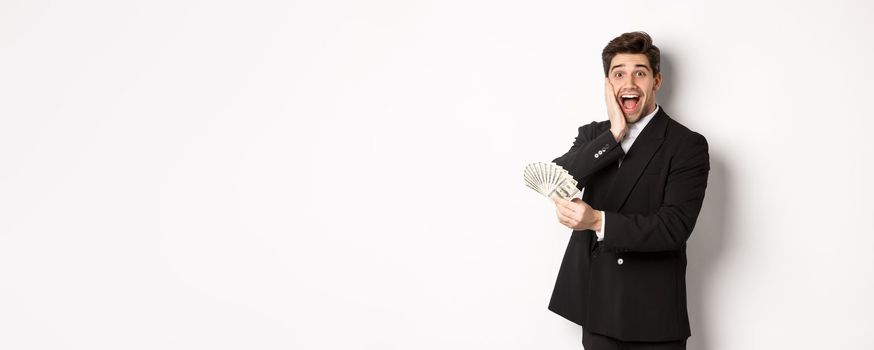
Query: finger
x,y
563,214
568,212
556,199
569,222
562,219
565,205
608,90
581,206
576,204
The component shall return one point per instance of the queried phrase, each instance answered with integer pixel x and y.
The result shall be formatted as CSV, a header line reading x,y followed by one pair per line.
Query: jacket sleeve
x,y
593,149
670,227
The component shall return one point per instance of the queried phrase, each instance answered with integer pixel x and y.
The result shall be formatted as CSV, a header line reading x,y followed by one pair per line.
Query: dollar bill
x,y
550,179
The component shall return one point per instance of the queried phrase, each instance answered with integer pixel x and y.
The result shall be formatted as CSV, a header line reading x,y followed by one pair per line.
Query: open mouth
x,y
629,102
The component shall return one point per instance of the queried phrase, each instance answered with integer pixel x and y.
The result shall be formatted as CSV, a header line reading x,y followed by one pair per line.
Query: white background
x,y
347,175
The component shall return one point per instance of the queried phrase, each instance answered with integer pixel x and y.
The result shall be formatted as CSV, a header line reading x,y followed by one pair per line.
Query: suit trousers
x,y
594,341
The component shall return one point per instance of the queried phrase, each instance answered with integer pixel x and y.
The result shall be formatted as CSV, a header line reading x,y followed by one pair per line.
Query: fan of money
x,y
550,179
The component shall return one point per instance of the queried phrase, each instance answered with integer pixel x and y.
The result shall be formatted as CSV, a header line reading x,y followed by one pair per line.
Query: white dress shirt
x,y
633,132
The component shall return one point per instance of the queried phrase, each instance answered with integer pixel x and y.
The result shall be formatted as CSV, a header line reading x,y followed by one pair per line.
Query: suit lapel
x,y
636,160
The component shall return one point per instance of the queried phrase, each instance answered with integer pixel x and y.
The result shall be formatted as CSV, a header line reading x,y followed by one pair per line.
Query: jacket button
x,y
620,261
596,155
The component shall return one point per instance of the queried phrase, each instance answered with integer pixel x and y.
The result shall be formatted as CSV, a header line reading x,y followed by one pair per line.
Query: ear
x,y
658,82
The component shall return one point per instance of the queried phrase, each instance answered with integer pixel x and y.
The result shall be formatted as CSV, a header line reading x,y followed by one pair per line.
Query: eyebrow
x,y
636,65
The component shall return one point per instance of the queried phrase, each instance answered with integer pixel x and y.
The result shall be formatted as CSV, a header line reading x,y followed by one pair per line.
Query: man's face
x,y
634,85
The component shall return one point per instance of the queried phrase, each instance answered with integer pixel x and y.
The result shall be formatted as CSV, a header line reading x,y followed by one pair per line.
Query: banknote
x,y
550,179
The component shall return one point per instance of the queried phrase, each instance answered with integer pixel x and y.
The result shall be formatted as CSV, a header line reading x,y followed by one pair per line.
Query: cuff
x,y
600,233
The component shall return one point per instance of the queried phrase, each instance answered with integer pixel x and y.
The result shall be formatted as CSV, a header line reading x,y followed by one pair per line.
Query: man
x,y
623,274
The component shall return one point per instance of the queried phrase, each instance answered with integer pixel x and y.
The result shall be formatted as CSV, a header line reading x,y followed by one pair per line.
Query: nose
x,y
631,80
624,83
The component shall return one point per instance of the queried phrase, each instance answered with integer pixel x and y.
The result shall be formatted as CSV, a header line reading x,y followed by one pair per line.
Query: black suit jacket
x,y
632,285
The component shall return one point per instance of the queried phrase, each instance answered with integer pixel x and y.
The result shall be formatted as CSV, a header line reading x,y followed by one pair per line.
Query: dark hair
x,y
633,43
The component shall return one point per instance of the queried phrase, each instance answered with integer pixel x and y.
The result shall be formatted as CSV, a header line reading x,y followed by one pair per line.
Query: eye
x,y
640,74
617,74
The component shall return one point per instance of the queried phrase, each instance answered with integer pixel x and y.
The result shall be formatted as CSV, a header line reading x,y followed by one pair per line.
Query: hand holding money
x,y
550,179
577,215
